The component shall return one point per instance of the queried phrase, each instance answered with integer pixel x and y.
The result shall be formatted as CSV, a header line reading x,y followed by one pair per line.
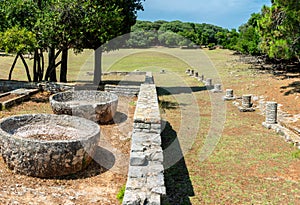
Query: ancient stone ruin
x,y
217,88
192,73
271,114
201,78
43,145
97,106
229,95
208,83
196,74
247,105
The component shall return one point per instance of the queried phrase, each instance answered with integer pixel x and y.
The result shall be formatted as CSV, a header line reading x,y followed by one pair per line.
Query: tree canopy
x,y
58,25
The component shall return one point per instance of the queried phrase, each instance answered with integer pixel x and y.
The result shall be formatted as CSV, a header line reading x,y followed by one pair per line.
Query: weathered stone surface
x,y
54,87
246,101
229,95
145,183
97,106
7,86
271,112
123,90
192,72
149,78
246,104
208,83
47,145
138,159
217,88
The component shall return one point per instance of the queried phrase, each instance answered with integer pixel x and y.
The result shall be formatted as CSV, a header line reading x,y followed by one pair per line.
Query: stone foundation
x,y
47,145
145,182
123,90
97,106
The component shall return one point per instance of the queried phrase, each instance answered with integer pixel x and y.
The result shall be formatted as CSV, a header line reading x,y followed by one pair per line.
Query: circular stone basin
x,y
97,106
43,145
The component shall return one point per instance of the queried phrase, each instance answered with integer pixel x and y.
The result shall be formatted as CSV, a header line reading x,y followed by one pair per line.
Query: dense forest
x,y
273,33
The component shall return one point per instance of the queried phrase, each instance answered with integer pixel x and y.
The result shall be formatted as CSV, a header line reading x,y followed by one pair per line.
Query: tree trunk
x,y
64,65
51,71
98,66
26,68
35,62
12,67
42,63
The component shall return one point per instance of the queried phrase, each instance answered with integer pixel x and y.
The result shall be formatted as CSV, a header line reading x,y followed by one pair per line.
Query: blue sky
x,y
226,13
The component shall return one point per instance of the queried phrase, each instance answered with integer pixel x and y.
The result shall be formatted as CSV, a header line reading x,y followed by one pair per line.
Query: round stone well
x,y
98,106
46,145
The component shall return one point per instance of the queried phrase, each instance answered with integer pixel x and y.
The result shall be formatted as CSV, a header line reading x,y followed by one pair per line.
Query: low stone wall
x,y
149,78
124,73
7,86
122,90
145,182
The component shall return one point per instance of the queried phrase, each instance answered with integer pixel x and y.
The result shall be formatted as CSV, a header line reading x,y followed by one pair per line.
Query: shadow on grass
x,y
178,90
177,180
168,105
295,88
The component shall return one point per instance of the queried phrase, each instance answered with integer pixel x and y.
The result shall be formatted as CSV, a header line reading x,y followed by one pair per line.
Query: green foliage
x,y
22,13
170,39
248,39
176,33
18,40
142,39
63,24
296,154
279,30
121,193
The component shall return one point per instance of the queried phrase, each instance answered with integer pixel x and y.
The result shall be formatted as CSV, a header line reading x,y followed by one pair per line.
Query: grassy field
x,y
245,163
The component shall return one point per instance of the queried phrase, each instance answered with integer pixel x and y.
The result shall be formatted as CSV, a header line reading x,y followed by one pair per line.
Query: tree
x,y
62,24
102,22
12,43
279,30
249,39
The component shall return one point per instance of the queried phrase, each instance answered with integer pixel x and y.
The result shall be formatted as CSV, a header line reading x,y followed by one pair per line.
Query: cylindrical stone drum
x,y
201,77
218,87
271,112
246,101
208,82
229,93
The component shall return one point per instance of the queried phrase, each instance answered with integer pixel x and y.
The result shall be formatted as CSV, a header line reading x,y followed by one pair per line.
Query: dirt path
x,y
98,184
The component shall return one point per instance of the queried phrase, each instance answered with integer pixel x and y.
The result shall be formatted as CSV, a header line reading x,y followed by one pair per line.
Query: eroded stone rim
x,y
93,130
111,97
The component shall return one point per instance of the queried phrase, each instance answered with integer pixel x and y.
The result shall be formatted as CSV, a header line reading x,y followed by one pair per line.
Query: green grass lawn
x,y
248,164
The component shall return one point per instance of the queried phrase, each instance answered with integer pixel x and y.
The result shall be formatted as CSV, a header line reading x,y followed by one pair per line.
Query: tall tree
x,y
249,39
63,24
279,30
102,22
